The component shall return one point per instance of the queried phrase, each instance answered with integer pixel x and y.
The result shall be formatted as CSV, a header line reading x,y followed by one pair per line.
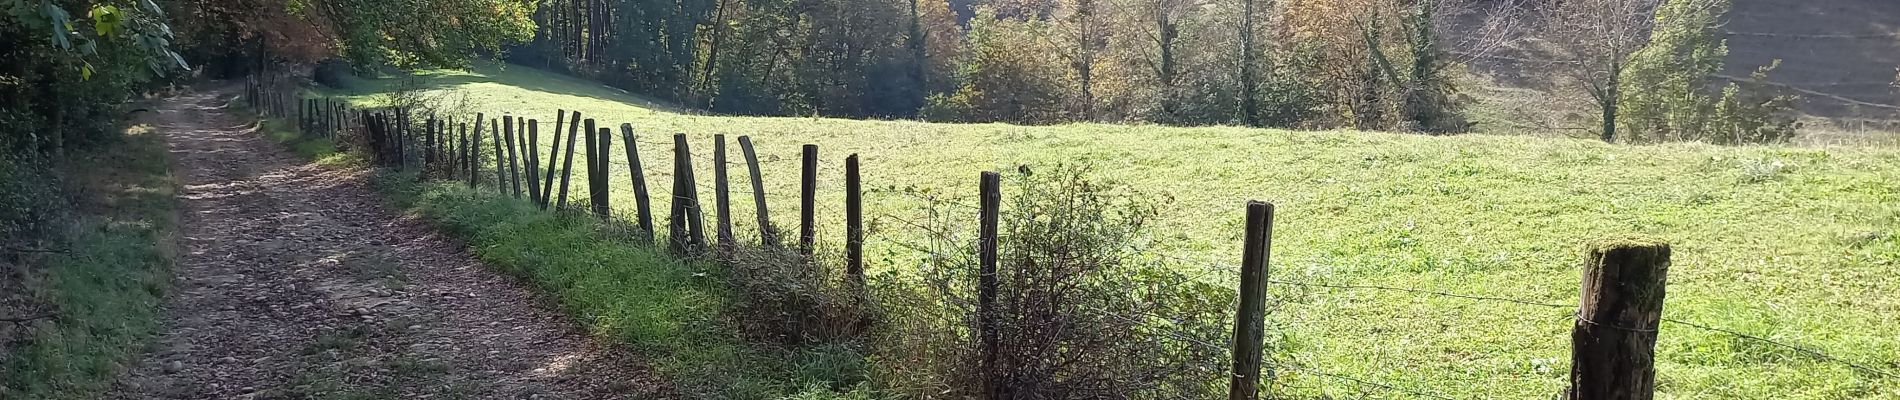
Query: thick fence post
x,y
603,164
514,166
989,209
722,198
468,157
643,206
853,224
567,163
1250,329
1613,345
554,158
501,157
687,232
532,152
808,200
767,235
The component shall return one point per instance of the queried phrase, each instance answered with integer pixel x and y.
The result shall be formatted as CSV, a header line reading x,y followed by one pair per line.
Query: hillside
x,y
1793,244
1840,57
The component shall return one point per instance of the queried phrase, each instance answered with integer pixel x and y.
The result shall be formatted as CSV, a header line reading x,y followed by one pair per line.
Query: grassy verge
x,y
1790,243
105,287
678,313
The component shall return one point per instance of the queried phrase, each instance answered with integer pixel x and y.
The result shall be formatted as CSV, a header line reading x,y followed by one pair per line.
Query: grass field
x,y
1797,245
105,284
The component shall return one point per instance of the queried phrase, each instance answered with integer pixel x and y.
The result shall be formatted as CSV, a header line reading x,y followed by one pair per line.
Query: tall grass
x,y
104,286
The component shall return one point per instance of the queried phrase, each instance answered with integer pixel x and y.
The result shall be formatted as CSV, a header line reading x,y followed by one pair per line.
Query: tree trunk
x,y
1249,108
1609,107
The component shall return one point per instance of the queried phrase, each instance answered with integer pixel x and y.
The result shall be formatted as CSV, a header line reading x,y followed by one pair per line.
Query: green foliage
x,y
65,80
1008,74
431,33
103,290
1671,95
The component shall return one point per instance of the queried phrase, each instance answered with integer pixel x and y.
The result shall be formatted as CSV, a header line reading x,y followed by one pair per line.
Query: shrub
x,y
1081,311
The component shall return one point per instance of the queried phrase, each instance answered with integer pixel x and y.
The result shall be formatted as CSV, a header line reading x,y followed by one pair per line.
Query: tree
x,y
1084,35
1249,64
1594,40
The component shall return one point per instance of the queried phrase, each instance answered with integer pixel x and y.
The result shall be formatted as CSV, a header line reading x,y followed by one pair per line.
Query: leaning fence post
x,y
554,159
989,209
603,164
767,235
1613,344
722,199
567,163
687,232
853,224
468,156
643,206
501,157
807,199
514,166
1250,330
531,152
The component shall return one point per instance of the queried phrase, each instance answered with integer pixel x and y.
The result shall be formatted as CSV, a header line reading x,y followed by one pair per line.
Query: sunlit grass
x,y
1795,244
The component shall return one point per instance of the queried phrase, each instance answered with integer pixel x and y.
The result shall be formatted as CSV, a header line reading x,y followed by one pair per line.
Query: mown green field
x,y
1799,245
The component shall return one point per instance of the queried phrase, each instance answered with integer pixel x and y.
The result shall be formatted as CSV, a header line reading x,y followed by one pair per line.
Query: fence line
x,y
390,133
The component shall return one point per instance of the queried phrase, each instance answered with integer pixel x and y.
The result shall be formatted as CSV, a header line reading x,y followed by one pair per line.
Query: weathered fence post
x,y
554,164
567,164
686,231
1613,345
853,224
514,166
722,199
501,157
807,200
602,168
428,144
767,235
989,209
554,160
468,157
593,151
402,138
1250,329
643,206
532,151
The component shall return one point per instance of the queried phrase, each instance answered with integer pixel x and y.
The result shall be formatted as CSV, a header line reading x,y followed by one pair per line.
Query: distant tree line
x,y
1370,64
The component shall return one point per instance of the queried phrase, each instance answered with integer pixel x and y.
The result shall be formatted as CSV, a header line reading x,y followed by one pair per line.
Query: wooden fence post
x,y
428,144
643,206
532,152
722,198
989,210
1250,330
603,164
767,235
807,200
468,157
853,224
508,140
402,138
554,158
501,157
1613,345
687,233
567,164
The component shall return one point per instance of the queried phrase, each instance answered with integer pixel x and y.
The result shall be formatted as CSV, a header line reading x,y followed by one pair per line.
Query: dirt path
x,y
296,281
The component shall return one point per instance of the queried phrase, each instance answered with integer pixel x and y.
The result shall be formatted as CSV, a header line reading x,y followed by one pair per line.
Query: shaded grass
x,y
105,290
677,312
1793,244
674,311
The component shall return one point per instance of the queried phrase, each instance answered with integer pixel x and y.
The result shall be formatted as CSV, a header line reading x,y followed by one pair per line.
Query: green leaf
x,y
106,20
85,72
